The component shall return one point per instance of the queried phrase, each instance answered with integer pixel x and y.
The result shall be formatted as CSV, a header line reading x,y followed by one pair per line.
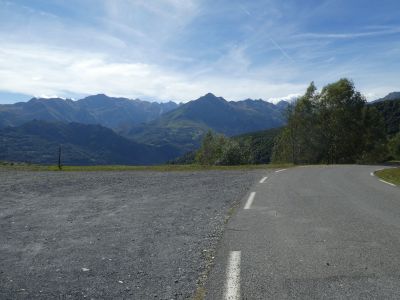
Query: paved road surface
x,y
312,233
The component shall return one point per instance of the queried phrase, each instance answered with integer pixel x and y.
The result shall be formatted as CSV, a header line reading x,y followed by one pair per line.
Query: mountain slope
x,y
98,109
38,142
390,96
186,125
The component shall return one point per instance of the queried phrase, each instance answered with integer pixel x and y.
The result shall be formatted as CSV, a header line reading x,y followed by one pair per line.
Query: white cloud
x,y
166,49
42,70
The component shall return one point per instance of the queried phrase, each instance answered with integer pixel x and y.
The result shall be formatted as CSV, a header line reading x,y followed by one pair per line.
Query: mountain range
x,y
106,130
184,126
153,132
97,109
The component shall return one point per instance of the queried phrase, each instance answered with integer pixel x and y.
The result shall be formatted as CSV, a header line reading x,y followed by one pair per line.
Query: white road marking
x,y
387,182
263,180
250,200
372,174
232,286
277,171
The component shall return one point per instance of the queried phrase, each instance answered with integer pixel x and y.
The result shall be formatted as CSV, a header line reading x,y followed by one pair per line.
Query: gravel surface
x,y
138,235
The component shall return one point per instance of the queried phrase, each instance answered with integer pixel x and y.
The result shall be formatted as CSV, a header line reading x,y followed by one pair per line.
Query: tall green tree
x,y
341,121
217,149
333,126
394,146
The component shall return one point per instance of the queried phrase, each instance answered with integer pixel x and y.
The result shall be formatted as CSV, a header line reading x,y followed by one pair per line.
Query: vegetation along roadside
x,y
390,175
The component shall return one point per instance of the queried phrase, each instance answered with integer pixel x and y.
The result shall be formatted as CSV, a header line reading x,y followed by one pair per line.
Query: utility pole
x,y
59,158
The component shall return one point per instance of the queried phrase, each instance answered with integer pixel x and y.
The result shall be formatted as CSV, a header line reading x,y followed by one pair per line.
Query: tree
x,y
374,139
341,116
220,150
208,150
333,126
295,142
394,146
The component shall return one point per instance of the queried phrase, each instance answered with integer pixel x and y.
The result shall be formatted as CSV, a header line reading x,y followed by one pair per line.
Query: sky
x,y
161,50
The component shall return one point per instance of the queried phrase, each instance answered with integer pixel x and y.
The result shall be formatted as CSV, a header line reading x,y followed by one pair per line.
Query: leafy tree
x,y
394,146
375,140
283,148
209,150
257,146
390,110
295,143
219,150
333,126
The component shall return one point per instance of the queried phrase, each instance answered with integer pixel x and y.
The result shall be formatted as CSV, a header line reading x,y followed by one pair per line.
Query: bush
x,y
220,150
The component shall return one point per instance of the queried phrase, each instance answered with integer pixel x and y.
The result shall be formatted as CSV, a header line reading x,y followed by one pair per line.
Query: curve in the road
x,y
313,232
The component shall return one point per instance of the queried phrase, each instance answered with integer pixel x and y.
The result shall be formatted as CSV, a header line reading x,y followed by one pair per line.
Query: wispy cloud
x,y
350,35
88,73
281,50
181,49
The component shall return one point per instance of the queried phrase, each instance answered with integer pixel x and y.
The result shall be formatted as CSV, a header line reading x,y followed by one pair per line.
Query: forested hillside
x,y
38,142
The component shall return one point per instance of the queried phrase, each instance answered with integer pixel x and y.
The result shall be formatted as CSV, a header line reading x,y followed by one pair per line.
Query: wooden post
x,y
59,158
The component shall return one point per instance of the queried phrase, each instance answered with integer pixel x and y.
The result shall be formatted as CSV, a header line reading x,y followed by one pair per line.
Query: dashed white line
x,y
250,200
277,171
232,286
387,182
263,180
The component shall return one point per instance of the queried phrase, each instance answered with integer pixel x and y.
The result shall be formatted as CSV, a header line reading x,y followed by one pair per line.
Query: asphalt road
x,y
112,235
323,232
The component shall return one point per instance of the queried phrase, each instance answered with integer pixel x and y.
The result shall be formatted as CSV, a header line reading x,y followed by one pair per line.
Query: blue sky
x,y
181,49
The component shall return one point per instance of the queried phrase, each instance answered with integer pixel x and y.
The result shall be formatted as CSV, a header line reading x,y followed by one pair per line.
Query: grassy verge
x,y
390,175
161,168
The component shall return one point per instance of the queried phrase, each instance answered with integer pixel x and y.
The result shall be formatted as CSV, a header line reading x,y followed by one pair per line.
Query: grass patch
x,y
200,293
390,175
160,168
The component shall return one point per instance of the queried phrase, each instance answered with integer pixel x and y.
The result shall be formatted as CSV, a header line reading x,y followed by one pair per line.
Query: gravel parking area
x,y
136,235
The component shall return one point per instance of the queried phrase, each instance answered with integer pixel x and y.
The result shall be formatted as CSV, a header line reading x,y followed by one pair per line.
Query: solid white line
x,y
250,200
263,180
232,286
277,171
387,182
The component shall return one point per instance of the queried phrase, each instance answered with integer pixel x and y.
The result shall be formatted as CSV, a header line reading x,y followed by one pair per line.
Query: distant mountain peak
x,y
210,97
390,96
